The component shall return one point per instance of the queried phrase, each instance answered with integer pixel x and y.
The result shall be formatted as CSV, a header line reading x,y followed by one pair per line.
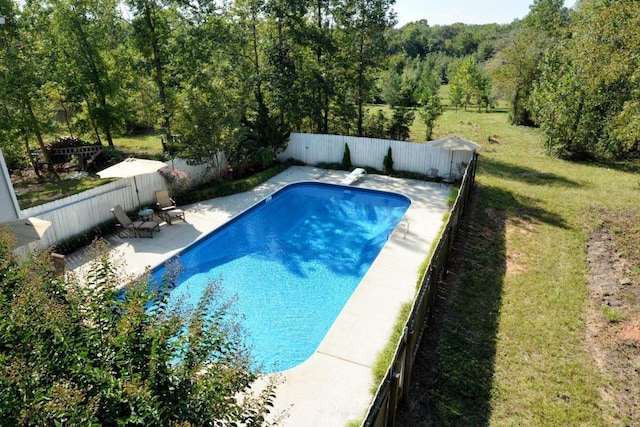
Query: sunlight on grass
x,y
517,353
57,189
148,144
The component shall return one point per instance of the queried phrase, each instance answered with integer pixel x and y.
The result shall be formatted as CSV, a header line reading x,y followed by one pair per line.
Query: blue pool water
x,y
293,260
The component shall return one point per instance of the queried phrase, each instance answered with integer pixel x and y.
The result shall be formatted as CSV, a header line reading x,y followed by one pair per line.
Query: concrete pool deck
x,y
334,385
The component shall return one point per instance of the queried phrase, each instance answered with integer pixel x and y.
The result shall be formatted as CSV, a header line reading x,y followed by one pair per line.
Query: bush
x,y
177,180
222,188
400,125
83,352
387,163
346,158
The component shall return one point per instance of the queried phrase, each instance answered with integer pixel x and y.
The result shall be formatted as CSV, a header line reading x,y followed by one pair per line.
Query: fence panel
x,y
81,212
407,156
394,390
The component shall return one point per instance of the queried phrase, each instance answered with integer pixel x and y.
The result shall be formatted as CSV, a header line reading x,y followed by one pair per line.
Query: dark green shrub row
x,y
78,241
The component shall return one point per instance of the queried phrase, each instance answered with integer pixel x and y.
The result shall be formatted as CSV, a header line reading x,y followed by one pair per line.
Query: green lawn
x,y
146,144
513,350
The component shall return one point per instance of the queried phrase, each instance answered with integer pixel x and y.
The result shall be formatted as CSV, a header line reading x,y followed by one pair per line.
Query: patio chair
x,y
167,207
432,173
126,225
449,178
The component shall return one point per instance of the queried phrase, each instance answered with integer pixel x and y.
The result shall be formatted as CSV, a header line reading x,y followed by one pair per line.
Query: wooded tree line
x,y
238,76
574,73
219,74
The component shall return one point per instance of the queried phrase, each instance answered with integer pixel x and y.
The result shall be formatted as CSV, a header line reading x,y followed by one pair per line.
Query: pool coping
x,y
334,385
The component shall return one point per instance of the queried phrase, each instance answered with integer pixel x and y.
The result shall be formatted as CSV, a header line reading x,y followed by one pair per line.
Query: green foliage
x,y
387,163
419,39
611,314
399,127
257,142
384,359
113,155
469,85
515,68
598,70
346,158
375,124
84,352
429,113
178,180
224,188
85,239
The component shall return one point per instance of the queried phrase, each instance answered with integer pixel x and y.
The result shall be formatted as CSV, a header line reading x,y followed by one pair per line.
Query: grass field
x,y
148,144
513,349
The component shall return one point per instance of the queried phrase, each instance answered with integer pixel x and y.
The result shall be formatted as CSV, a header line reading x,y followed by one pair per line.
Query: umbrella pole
x,y
451,164
135,182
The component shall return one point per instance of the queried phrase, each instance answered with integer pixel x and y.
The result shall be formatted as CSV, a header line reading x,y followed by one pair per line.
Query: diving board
x,y
356,175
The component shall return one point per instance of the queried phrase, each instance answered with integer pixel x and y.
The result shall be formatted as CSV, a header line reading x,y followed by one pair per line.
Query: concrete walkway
x,y
334,385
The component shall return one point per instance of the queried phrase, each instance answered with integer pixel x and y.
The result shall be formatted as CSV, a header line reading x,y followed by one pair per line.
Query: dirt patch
x,y
25,181
613,320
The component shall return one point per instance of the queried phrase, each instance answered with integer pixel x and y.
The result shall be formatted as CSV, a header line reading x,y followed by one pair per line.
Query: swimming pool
x,y
293,260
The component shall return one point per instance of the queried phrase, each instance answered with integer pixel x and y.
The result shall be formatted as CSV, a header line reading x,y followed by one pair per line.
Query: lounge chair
x,y
354,176
126,225
167,207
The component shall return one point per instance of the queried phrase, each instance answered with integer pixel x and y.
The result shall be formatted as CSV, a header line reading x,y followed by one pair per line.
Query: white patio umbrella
x,y
131,167
453,143
28,230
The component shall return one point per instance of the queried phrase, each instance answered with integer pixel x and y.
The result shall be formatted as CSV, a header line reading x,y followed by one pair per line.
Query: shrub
x,y
399,127
224,188
83,352
346,158
177,180
387,163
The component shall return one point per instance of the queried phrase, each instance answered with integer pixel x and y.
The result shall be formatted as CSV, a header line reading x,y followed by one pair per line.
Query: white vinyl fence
x,y
82,212
407,156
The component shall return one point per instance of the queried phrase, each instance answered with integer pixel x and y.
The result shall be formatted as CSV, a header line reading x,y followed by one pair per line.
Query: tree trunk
x,y
166,116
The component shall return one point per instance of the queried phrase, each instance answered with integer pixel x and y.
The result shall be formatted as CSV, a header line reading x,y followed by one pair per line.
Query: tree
x,y
362,25
429,99
469,83
83,352
23,62
375,124
151,29
399,127
429,113
586,98
86,36
514,69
